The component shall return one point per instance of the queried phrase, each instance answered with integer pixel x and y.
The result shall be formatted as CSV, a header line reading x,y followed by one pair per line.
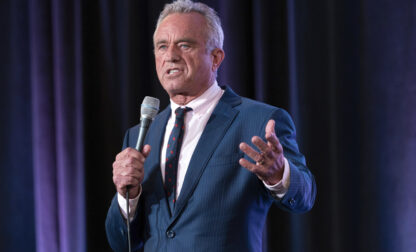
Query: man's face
x,y
183,64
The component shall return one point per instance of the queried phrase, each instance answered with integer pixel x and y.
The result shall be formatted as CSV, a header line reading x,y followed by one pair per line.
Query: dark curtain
x,y
74,73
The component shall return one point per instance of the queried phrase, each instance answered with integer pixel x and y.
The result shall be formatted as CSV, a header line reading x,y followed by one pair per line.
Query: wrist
x,y
274,179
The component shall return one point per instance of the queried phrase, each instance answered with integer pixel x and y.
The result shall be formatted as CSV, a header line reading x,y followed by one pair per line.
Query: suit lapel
x,y
155,140
214,131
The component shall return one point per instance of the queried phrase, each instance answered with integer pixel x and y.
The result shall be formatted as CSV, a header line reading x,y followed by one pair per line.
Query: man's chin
x,y
174,86
174,91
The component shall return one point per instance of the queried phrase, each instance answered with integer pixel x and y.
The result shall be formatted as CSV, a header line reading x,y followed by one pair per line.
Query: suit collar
x,y
230,97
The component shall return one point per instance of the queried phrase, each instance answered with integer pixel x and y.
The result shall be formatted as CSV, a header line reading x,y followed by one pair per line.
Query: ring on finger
x,y
261,160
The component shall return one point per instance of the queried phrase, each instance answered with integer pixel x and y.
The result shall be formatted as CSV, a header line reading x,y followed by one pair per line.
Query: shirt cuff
x,y
132,205
280,189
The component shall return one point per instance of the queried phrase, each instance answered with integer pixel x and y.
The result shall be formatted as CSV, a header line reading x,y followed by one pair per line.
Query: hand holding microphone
x,y
128,168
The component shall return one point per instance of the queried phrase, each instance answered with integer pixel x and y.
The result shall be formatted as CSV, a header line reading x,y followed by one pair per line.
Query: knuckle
x,y
131,171
128,152
117,182
259,156
130,160
115,165
132,152
254,169
122,184
139,170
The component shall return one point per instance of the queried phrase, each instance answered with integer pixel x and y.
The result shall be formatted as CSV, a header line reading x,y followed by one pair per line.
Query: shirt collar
x,y
200,104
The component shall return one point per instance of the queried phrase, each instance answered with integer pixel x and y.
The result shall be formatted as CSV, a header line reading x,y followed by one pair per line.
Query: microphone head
x,y
149,108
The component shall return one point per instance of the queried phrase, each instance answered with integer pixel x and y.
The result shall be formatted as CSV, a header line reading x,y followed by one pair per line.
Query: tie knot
x,y
180,112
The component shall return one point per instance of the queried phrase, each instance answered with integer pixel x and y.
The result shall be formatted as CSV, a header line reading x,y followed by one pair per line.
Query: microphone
x,y
148,111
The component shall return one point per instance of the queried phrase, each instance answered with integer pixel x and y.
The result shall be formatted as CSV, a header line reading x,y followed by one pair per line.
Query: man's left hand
x,y
270,162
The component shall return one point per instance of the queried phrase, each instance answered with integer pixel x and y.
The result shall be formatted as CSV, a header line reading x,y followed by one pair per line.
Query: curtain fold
x,y
17,227
74,73
57,119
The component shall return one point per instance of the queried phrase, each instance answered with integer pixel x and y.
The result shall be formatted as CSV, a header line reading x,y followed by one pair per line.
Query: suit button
x,y
292,202
170,234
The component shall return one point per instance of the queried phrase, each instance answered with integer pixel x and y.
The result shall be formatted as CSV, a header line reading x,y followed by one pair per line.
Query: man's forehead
x,y
185,25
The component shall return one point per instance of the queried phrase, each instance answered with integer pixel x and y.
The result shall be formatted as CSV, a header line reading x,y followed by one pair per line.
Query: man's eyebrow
x,y
187,40
163,41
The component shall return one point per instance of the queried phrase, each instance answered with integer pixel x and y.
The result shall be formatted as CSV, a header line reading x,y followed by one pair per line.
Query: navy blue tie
x,y
172,155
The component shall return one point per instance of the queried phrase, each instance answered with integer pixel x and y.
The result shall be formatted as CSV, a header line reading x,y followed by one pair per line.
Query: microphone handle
x,y
144,126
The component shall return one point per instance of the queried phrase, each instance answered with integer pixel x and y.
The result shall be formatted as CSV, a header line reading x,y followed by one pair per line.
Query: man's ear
x,y
217,58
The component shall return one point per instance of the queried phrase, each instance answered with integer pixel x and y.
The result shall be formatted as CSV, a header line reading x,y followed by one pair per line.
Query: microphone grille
x,y
150,107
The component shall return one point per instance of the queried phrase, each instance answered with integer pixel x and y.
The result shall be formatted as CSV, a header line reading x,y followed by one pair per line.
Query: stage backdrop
x,y
74,73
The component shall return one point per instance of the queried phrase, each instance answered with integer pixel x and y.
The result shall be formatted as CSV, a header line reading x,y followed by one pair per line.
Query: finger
x,y
133,153
254,155
257,170
128,164
129,152
124,153
121,180
274,143
270,128
131,162
130,181
121,184
248,165
130,172
272,140
146,150
260,144
124,173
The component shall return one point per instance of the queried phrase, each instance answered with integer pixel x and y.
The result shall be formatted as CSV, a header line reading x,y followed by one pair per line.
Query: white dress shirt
x,y
195,121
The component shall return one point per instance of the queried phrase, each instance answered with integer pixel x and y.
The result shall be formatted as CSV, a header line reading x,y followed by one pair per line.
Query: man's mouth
x,y
172,71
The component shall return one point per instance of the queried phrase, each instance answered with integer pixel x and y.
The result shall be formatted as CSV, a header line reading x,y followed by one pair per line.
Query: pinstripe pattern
x,y
222,206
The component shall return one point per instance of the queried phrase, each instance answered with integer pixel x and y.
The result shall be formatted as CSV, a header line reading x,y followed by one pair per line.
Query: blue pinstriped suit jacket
x,y
222,206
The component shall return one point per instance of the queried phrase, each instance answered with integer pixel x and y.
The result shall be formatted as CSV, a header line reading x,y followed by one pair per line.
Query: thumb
x,y
270,128
146,150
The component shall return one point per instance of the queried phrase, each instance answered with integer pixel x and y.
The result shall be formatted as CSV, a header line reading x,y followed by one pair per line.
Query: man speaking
x,y
213,162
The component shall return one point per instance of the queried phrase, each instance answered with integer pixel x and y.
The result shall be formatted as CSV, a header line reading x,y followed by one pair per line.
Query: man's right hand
x,y
128,170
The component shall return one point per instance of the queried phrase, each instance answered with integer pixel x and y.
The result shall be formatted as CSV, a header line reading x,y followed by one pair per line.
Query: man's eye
x,y
184,46
162,47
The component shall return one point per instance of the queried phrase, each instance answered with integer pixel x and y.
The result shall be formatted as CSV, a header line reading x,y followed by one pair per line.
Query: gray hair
x,y
215,33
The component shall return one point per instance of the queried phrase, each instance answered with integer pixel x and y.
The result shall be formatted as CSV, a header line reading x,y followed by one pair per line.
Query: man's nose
x,y
173,54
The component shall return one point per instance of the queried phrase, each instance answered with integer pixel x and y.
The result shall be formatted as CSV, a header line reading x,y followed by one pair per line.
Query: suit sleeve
x,y
301,194
115,223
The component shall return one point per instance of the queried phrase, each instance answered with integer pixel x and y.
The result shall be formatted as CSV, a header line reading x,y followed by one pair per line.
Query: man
x,y
205,180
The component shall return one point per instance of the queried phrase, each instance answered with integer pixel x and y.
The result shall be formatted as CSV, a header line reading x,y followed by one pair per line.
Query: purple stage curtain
x,y
57,124
74,72
356,80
